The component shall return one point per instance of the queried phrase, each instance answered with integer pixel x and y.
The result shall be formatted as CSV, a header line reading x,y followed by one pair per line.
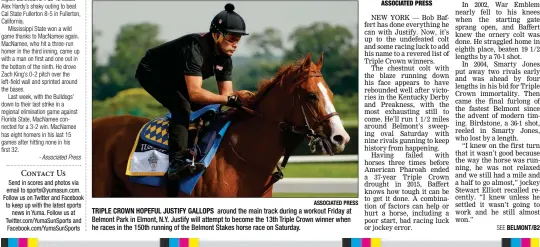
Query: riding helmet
x,y
228,21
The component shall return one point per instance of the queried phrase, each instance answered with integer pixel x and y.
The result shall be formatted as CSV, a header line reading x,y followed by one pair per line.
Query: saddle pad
x,y
155,131
149,160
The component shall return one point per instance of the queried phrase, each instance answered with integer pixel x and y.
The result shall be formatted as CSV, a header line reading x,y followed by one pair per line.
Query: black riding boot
x,y
180,158
178,150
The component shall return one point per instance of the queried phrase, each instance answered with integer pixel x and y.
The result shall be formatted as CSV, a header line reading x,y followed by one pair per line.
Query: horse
x,y
293,105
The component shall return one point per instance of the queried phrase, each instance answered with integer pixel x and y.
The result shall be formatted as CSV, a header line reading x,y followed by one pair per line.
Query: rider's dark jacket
x,y
192,54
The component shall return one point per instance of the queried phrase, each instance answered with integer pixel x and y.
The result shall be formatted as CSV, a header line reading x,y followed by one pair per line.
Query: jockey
x,y
173,74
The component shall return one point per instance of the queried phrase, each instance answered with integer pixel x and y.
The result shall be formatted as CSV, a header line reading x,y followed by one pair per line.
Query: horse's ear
x,y
307,61
319,62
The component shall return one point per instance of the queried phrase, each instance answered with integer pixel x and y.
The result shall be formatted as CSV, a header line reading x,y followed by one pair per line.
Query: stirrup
x,y
195,166
183,168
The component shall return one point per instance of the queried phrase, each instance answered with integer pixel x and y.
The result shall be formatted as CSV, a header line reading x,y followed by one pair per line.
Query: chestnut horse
x,y
294,105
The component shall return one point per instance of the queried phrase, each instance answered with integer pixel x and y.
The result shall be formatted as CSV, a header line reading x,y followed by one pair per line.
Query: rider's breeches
x,y
174,101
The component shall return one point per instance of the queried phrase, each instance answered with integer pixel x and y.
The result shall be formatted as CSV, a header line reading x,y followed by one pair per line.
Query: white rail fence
x,y
318,185
321,158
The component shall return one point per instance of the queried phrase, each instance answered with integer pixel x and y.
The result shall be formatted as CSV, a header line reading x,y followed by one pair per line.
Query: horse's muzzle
x,y
321,145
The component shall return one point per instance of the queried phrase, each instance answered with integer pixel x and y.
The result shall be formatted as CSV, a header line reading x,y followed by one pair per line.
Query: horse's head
x,y
309,106
314,104
302,105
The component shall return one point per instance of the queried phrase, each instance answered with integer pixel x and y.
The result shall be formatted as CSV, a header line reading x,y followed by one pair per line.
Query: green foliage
x,y
340,65
325,170
116,90
250,76
347,106
134,101
131,44
265,42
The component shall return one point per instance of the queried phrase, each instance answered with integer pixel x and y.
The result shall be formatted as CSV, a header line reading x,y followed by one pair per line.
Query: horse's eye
x,y
313,97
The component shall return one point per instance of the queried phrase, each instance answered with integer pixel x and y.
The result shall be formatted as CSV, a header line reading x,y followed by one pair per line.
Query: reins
x,y
298,133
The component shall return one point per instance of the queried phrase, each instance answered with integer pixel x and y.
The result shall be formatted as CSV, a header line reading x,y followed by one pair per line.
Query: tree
x,y
340,66
98,71
131,44
249,76
95,34
133,101
266,42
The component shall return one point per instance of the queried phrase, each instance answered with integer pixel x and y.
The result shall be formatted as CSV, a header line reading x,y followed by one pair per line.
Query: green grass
x,y
314,195
353,122
321,170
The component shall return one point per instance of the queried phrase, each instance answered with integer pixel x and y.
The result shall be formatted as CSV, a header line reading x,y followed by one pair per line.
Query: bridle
x,y
298,133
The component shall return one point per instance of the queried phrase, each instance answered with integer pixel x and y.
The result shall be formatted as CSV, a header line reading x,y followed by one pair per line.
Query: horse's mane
x,y
251,99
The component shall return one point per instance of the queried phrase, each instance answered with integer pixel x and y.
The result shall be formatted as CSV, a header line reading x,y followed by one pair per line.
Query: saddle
x,y
149,160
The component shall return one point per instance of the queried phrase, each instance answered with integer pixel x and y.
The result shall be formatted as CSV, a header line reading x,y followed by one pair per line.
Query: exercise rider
x,y
173,74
